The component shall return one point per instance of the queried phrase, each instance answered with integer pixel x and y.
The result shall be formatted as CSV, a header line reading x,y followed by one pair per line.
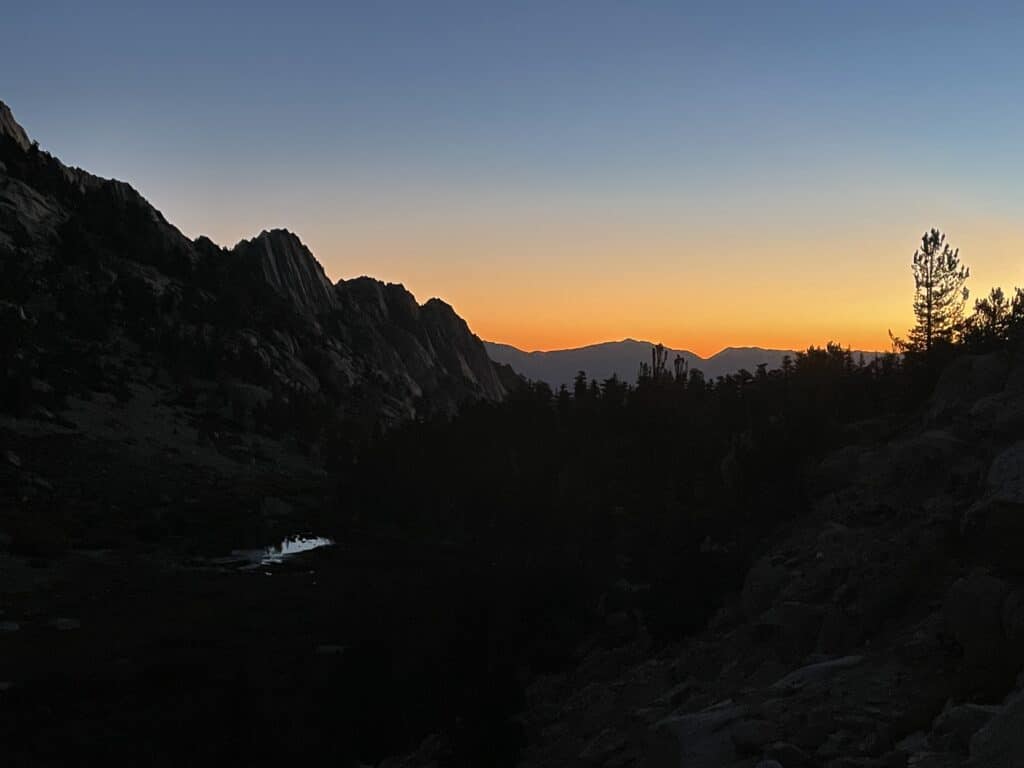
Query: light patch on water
x,y
293,546
247,559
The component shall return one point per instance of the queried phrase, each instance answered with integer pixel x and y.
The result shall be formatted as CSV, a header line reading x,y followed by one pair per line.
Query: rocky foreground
x,y
885,629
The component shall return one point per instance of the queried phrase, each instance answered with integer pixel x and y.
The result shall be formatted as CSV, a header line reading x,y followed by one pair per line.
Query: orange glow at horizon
x,y
542,272
853,296
701,341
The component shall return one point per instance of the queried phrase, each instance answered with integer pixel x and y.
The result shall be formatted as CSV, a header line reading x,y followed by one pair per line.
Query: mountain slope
x,y
91,270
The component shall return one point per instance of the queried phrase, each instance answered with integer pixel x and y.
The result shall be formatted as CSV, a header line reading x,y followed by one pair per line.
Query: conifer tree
x,y
939,293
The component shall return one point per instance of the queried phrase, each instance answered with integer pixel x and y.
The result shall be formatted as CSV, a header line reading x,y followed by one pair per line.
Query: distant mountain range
x,y
623,358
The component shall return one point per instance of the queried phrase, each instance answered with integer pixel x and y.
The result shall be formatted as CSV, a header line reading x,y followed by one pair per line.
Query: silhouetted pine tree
x,y
579,386
940,294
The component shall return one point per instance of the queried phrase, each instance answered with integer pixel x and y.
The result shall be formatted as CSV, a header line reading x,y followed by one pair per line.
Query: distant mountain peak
x,y
623,358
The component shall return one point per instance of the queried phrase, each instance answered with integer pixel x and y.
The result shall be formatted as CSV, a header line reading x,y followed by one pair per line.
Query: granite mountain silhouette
x,y
90,268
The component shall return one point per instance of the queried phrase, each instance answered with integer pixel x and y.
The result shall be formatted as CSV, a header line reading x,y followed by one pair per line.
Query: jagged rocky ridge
x,y
95,281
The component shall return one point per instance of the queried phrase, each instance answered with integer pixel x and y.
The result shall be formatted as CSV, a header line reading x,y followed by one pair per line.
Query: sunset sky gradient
x,y
562,173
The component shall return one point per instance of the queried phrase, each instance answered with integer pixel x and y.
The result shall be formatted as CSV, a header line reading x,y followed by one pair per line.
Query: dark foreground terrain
x,y
129,634
881,628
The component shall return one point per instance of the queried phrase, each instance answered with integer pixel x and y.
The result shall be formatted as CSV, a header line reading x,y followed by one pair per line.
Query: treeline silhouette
x,y
604,516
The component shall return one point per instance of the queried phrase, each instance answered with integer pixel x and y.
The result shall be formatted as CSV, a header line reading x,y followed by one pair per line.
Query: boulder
x,y
702,739
762,585
965,380
972,614
603,746
914,466
791,627
301,377
838,745
247,396
1000,743
1013,619
813,673
1006,475
954,727
994,525
1001,414
752,736
1015,378
841,630
837,469
935,760
787,754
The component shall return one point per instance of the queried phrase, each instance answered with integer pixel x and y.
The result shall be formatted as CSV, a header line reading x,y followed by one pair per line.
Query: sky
x,y
704,174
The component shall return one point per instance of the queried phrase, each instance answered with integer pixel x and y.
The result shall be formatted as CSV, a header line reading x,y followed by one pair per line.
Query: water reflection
x,y
247,559
293,546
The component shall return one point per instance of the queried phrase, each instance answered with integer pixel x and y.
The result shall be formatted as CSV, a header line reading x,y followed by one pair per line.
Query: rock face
x,y
424,348
10,129
1000,743
995,523
290,269
973,613
966,380
89,265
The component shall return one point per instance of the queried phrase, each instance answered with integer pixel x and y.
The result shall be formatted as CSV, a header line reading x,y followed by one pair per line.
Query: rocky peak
x,y
433,344
290,269
459,347
10,128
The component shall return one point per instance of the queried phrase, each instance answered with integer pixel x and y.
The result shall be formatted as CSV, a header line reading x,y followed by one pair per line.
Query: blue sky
x,y
511,157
